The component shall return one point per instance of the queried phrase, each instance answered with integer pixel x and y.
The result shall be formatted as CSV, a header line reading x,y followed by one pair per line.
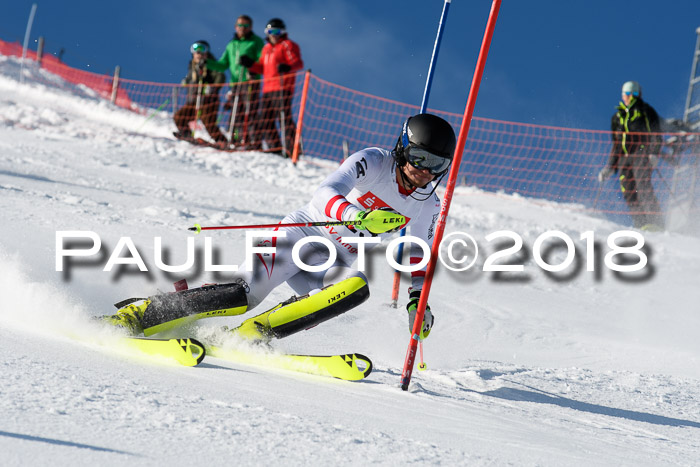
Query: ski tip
x,y
185,351
192,353
195,348
366,363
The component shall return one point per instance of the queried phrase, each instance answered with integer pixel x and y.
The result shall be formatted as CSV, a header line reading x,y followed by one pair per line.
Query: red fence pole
x,y
300,120
451,183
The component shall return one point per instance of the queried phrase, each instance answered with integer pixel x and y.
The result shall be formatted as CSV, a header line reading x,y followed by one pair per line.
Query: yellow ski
x,y
185,351
350,367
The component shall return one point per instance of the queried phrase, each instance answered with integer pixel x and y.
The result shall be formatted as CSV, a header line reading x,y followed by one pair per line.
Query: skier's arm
x,y
219,78
255,67
292,56
254,64
423,227
329,198
222,64
616,149
655,138
256,52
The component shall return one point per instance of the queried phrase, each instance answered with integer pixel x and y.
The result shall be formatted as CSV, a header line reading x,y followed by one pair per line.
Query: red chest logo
x,y
371,201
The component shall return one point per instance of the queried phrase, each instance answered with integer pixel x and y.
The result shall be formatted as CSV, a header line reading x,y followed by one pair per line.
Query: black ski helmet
x,y
275,23
428,132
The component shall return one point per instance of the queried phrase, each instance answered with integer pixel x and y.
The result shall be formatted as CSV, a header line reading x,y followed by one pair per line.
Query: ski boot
x,y
184,136
129,318
165,312
300,313
258,329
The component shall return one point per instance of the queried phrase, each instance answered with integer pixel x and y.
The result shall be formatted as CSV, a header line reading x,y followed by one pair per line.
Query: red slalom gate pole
x,y
449,190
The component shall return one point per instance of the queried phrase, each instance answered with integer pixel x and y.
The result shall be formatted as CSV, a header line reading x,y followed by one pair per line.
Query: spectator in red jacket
x,y
279,60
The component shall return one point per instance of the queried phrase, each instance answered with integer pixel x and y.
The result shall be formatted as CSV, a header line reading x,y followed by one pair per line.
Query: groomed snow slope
x,y
587,369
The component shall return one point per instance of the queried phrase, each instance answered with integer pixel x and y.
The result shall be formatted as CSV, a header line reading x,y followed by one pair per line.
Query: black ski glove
x,y
246,61
283,68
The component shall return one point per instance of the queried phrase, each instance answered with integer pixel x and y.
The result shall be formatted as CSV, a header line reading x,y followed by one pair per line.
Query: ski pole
x,y
233,116
153,113
421,366
198,228
198,107
423,108
597,195
246,116
234,109
283,130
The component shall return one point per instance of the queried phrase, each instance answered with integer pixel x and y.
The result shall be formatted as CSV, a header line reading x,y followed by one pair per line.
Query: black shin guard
x,y
310,310
167,311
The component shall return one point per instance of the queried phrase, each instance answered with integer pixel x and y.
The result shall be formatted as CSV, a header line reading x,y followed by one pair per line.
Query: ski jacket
x,y
285,51
201,74
633,131
367,181
250,45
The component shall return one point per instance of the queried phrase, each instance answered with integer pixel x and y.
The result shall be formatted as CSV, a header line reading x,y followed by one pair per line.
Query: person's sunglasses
x,y
422,159
629,93
198,47
273,31
243,25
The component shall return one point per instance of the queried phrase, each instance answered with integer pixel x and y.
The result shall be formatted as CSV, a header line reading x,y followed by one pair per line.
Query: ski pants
x,y
638,191
273,104
207,113
246,114
272,269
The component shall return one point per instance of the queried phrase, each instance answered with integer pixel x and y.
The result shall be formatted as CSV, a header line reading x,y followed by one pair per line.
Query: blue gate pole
x,y
423,108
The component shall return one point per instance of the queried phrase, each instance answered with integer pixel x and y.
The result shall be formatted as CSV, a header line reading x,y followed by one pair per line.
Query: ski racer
x,y
381,190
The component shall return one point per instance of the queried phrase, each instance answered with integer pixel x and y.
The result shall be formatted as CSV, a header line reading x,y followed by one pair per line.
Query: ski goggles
x,y
243,25
274,31
630,93
198,47
422,159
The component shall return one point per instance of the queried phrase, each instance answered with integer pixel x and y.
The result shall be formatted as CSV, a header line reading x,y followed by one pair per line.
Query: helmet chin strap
x,y
406,182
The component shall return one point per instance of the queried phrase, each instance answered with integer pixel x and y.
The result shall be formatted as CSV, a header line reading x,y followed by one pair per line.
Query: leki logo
x,y
372,201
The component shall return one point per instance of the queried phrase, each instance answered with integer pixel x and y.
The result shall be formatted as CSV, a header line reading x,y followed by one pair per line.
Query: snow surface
x,y
526,369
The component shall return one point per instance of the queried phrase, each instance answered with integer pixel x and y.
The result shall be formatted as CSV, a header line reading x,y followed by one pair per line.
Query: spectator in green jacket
x,y
245,86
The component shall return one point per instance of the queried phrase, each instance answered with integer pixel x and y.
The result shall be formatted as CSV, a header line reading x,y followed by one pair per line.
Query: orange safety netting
x,y
548,163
